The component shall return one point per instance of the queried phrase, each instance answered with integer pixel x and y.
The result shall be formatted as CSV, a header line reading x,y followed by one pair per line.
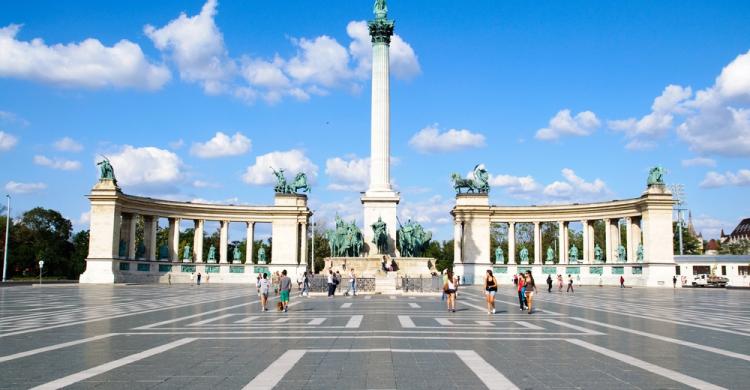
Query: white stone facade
x,y
648,222
113,216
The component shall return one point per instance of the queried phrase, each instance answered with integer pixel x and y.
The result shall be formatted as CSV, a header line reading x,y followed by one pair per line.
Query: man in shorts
x,y
285,285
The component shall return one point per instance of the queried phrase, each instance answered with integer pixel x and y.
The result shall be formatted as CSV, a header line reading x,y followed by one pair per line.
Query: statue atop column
x,y
122,251
106,172
639,253
412,240
550,255
598,254
524,255
262,255
212,254
380,9
380,235
163,252
186,253
656,176
282,187
573,253
479,184
499,255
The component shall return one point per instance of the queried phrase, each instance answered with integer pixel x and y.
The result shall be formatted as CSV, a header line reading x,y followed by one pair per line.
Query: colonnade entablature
x,y
114,215
636,231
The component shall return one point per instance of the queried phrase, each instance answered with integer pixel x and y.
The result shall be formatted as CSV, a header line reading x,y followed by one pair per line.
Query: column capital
x,y
381,30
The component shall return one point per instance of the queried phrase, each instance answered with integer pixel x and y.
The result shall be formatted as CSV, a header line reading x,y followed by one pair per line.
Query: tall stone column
x,y
636,236
150,224
511,243
104,238
566,241
174,239
223,241
250,242
561,248
608,240
629,235
380,201
303,244
537,243
458,237
198,240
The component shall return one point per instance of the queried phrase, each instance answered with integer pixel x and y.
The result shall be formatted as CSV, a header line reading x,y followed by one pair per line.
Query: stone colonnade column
x,y
608,240
150,224
458,238
592,241
250,242
303,244
127,231
174,239
585,250
198,240
614,236
635,237
629,235
537,243
561,250
223,241
511,243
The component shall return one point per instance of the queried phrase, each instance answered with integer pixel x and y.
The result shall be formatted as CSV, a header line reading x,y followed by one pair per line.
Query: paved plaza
x,y
214,336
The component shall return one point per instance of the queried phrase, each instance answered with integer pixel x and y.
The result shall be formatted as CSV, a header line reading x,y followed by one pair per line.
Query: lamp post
x,y
7,234
41,265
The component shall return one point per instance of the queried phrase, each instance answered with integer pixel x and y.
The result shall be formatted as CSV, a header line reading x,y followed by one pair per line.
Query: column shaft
x,y
174,239
537,243
585,250
511,243
250,242
150,224
629,237
561,251
223,241
608,240
380,120
457,242
198,240
303,244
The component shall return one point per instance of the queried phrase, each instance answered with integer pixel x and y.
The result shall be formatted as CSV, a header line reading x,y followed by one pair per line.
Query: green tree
x,y
80,252
739,247
691,245
41,234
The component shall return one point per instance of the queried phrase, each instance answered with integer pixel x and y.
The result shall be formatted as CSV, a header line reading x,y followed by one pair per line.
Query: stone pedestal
x,y
472,211
104,234
380,205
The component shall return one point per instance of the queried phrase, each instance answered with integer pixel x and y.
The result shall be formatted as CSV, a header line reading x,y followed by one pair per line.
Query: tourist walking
x,y
549,283
450,288
336,280
530,287
198,279
285,286
622,281
559,283
306,284
352,283
263,288
674,281
275,282
515,280
331,286
521,291
192,277
490,289
570,284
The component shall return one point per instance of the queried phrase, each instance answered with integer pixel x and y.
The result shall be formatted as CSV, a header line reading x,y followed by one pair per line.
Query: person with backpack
x,y
285,286
263,287
521,292
490,288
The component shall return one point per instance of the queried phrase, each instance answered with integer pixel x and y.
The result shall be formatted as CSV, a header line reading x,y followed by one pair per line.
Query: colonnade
x,y
587,252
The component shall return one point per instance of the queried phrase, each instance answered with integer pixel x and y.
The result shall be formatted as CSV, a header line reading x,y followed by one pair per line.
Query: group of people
x,y
334,279
284,287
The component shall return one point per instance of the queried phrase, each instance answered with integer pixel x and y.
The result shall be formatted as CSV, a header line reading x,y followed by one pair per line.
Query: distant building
x,y
741,232
712,248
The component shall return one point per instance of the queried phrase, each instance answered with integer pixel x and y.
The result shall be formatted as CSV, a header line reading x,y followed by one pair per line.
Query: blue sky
x,y
192,100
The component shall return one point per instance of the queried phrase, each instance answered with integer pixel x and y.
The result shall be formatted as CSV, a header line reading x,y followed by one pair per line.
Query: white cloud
x,y
146,167
85,64
7,116
222,145
83,221
61,164
348,175
178,144
67,144
430,139
197,47
515,184
716,179
575,188
321,61
402,59
655,124
430,212
24,188
292,161
699,162
205,184
563,124
7,141
711,227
